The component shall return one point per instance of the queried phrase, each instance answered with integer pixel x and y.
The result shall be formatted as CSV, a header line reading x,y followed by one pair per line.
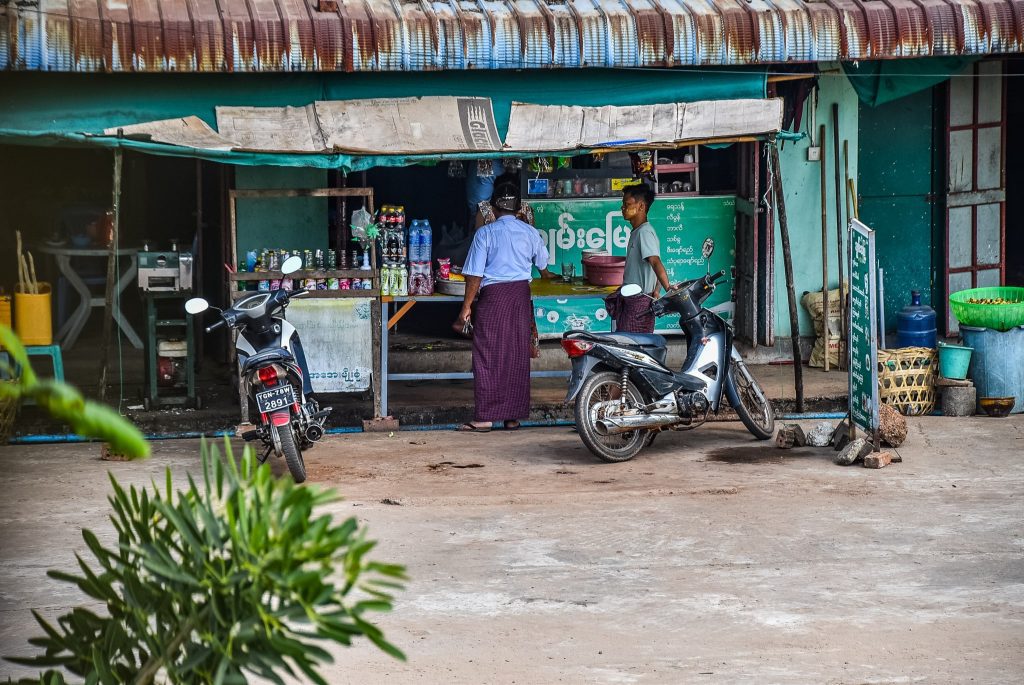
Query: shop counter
x,y
556,304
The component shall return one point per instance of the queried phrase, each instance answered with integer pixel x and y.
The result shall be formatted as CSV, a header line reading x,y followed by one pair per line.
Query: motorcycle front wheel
x,y
292,453
749,401
599,388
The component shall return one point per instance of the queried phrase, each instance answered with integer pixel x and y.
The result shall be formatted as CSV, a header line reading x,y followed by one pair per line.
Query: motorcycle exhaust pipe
x,y
623,424
314,432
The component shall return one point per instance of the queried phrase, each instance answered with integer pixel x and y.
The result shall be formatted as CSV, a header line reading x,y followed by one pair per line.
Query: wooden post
x,y
794,325
825,338
108,319
844,334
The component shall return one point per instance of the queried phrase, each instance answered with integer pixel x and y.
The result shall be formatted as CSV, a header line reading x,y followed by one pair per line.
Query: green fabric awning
x,y
64,109
883,81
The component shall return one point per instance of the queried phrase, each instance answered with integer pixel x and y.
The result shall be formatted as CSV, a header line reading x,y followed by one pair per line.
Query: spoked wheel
x,y
292,453
599,389
749,401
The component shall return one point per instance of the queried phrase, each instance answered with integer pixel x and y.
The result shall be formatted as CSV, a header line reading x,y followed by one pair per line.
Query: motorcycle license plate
x,y
275,398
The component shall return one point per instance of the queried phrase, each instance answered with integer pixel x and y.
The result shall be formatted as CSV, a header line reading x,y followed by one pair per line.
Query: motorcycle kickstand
x,y
266,455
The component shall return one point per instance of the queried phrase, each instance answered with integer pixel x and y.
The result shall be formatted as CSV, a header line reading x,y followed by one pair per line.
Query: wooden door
x,y
975,246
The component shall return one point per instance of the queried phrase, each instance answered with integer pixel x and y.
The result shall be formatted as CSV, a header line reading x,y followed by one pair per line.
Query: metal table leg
x,y
384,359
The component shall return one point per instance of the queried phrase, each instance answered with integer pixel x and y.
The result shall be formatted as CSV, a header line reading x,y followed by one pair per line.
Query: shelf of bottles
x,y
405,253
324,273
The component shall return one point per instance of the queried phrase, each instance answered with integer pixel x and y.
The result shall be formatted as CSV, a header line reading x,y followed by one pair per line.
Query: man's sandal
x,y
470,428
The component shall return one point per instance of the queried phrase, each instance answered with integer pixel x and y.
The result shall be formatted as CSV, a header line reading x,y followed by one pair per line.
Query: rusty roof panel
x,y
423,35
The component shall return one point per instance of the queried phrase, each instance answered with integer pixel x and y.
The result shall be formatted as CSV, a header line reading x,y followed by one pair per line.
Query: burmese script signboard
x,y
568,227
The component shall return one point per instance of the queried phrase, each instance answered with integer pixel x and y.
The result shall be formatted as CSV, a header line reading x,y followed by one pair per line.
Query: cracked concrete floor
x,y
710,558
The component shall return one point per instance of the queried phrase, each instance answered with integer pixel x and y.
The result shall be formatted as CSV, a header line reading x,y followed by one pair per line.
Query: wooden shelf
x,y
676,168
687,194
315,294
299,275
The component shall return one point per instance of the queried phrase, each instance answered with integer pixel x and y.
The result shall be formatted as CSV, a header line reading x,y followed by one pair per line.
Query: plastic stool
x,y
51,351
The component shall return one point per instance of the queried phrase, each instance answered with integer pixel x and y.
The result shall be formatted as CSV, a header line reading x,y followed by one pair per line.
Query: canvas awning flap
x,y
409,125
184,131
541,128
380,126
271,129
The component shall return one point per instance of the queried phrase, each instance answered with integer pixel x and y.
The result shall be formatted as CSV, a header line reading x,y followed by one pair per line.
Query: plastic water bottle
x,y
414,241
915,325
426,241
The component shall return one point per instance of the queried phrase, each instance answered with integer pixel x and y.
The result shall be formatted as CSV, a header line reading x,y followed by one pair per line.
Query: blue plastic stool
x,y
51,351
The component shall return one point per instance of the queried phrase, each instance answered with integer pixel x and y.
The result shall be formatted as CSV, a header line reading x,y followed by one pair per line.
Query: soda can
x,y
332,284
367,284
344,284
309,283
321,284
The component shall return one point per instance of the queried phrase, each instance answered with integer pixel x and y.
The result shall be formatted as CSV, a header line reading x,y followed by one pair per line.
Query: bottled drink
x,y
385,280
318,259
240,285
331,260
263,284
402,283
286,282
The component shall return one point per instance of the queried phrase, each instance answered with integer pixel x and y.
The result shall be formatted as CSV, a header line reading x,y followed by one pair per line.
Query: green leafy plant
x,y
209,584
64,402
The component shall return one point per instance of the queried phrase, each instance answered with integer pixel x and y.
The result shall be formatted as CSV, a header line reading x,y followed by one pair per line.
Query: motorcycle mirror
x,y
196,305
708,248
291,265
630,289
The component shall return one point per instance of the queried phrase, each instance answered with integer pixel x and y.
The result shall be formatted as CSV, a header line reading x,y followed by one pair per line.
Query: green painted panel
x,y
896,183
907,263
281,223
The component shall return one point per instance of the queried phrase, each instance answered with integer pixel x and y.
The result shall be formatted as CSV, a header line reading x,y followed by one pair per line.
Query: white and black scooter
x,y
625,394
270,363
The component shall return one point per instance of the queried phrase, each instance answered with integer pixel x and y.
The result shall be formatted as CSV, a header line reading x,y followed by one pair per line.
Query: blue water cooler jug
x,y
915,325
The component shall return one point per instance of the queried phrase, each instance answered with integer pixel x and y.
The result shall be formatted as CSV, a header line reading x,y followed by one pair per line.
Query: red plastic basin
x,y
604,269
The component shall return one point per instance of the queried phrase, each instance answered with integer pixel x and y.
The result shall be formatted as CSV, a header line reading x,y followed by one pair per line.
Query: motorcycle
x,y
625,395
287,422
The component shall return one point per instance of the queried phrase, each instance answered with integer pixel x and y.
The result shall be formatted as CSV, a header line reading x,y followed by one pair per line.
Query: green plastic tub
x,y
954,360
1001,317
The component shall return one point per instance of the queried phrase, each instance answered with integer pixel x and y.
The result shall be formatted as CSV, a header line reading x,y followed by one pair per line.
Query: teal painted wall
x,y
802,184
897,181
276,223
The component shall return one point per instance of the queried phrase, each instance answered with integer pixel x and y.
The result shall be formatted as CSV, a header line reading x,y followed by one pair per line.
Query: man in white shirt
x,y
499,267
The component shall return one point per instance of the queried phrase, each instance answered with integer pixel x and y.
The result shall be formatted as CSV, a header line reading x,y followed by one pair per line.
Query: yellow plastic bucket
x,y
32,319
5,310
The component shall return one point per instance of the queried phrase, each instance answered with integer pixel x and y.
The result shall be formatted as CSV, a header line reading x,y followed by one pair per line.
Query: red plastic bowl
x,y
604,269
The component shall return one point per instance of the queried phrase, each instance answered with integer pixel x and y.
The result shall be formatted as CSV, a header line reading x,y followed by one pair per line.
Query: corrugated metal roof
x,y
419,35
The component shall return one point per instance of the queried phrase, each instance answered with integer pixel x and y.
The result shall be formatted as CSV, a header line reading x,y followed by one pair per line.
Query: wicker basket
x,y
906,379
8,411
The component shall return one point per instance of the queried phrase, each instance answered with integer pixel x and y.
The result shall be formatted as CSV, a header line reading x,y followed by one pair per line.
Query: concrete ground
x,y
710,558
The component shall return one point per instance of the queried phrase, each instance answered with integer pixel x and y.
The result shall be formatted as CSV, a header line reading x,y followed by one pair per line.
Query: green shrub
x,y
209,584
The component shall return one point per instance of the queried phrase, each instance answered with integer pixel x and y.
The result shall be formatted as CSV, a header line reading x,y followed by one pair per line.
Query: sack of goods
x,y
812,302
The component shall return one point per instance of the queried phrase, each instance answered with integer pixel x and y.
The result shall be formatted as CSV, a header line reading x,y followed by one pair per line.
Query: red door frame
x,y
998,195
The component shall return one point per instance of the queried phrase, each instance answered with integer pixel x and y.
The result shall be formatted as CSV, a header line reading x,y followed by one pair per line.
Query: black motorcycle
x,y
287,421
625,394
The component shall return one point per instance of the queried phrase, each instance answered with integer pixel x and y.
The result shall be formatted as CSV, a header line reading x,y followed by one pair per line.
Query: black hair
x,y
507,195
640,192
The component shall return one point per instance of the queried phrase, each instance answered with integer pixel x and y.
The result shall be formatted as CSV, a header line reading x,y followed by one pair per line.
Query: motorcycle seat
x,y
274,354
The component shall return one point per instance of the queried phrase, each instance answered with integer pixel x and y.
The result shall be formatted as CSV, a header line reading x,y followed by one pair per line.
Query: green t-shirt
x,y
643,243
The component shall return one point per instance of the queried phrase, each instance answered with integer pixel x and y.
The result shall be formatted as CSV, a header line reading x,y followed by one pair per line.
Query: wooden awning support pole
x,y
787,257
108,319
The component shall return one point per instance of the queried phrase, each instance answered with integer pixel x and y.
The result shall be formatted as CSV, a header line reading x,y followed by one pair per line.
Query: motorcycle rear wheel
x,y
608,448
749,401
292,453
